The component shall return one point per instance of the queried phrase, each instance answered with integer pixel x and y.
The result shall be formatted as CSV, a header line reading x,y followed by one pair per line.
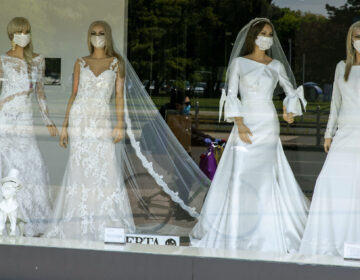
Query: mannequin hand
x,y
64,137
118,133
288,117
244,133
327,144
53,131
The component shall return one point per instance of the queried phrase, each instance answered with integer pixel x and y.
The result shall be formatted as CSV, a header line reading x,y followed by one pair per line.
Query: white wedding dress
x,y
18,146
254,202
93,194
334,217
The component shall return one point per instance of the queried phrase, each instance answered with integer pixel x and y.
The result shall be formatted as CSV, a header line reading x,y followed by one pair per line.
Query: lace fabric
x,y
147,180
18,146
167,183
18,82
93,194
97,67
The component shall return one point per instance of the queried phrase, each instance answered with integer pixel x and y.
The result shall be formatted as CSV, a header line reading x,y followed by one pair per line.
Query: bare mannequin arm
x,y
41,98
1,73
118,133
244,131
64,134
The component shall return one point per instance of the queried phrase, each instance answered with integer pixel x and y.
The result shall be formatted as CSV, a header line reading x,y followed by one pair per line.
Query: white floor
x,y
180,251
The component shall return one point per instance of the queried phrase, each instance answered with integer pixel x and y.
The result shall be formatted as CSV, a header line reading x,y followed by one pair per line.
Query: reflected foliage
x,y
174,41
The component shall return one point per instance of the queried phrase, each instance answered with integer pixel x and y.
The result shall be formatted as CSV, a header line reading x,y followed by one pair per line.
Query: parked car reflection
x,y
200,88
313,91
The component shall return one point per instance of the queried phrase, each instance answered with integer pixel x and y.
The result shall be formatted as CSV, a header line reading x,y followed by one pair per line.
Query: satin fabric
x,y
254,202
334,217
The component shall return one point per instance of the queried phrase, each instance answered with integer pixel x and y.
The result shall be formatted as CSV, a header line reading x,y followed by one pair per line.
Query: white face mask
x,y
22,39
356,45
264,43
98,41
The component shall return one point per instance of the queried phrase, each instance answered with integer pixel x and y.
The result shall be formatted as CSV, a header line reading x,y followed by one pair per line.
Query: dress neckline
x,y
20,58
257,61
85,65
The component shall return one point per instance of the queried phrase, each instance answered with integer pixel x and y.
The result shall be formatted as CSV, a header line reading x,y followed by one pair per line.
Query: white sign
x,y
352,251
114,235
153,239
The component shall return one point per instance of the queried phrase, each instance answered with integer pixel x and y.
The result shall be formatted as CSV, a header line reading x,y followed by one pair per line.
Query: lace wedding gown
x,y
18,146
93,194
254,202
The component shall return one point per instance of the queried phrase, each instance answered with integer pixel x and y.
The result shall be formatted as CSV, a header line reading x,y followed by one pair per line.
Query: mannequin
x,y
22,72
93,194
254,202
334,213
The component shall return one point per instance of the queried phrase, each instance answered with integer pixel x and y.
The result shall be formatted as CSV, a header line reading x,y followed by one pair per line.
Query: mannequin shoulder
x,y
340,67
37,56
38,60
278,66
277,63
341,64
238,59
81,61
236,62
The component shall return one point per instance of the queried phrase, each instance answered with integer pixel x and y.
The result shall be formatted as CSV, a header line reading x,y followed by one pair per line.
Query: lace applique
x,y
94,193
18,145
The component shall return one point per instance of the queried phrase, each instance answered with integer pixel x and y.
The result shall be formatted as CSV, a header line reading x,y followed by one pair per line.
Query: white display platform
x,y
40,258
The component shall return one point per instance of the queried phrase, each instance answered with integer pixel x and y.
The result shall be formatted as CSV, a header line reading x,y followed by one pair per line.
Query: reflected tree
x,y
192,39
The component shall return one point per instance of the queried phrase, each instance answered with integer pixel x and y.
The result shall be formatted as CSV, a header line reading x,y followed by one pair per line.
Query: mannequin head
x,y
99,28
102,28
352,36
262,27
20,25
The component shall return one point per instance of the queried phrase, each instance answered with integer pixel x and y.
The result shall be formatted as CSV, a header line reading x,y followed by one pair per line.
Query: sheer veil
x,y
275,52
164,183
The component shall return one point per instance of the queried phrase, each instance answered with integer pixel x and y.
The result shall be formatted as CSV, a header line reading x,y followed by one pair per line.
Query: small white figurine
x,y
9,207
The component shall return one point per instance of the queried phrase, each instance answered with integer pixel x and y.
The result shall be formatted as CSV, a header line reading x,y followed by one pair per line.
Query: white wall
x,y
59,29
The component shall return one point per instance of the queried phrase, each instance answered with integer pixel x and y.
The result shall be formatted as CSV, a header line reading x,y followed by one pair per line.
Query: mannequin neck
x,y
258,54
18,52
357,58
98,53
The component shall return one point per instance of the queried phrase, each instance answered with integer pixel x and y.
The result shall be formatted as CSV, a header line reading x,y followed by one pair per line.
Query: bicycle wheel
x,y
152,207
